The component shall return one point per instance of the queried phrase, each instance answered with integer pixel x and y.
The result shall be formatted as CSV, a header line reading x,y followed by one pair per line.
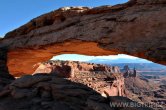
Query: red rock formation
x,y
128,73
92,75
117,87
72,68
136,28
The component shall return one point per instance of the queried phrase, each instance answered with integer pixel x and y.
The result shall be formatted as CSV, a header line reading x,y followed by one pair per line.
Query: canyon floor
x,y
68,85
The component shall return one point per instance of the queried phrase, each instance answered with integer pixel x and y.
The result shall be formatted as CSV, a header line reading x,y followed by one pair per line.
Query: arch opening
x,y
144,67
130,76
29,57
22,61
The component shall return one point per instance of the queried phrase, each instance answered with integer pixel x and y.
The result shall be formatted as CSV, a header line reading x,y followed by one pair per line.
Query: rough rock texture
x,y
3,62
5,77
72,68
106,80
47,92
144,91
106,86
136,28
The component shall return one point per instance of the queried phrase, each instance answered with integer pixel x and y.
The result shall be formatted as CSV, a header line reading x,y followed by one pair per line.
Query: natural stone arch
x,y
135,28
25,62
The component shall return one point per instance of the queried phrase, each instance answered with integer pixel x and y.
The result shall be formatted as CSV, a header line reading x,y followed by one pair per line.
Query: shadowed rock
x,y
135,28
5,77
54,94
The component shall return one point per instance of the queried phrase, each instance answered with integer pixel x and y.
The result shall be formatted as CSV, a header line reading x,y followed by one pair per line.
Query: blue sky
x,y
14,13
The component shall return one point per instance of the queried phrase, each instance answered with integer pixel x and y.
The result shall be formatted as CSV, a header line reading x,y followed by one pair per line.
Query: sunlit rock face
x,y
135,28
107,80
72,68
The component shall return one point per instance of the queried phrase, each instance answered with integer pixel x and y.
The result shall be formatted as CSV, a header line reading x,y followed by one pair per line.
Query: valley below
x,y
122,80
146,86
74,85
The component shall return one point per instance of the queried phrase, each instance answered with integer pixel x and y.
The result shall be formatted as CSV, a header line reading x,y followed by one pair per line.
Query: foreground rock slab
x,y
54,94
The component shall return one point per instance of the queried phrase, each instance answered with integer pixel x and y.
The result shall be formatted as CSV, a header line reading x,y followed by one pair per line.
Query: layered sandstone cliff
x,y
107,80
72,68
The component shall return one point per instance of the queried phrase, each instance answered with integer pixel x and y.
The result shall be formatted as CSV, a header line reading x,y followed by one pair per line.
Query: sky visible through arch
x,y
121,58
14,13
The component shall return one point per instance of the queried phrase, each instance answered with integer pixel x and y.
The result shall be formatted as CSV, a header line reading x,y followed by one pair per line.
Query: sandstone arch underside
x,y
135,28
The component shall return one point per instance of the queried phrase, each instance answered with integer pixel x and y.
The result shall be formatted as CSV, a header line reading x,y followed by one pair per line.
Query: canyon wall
x,y
135,28
72,68
106,80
